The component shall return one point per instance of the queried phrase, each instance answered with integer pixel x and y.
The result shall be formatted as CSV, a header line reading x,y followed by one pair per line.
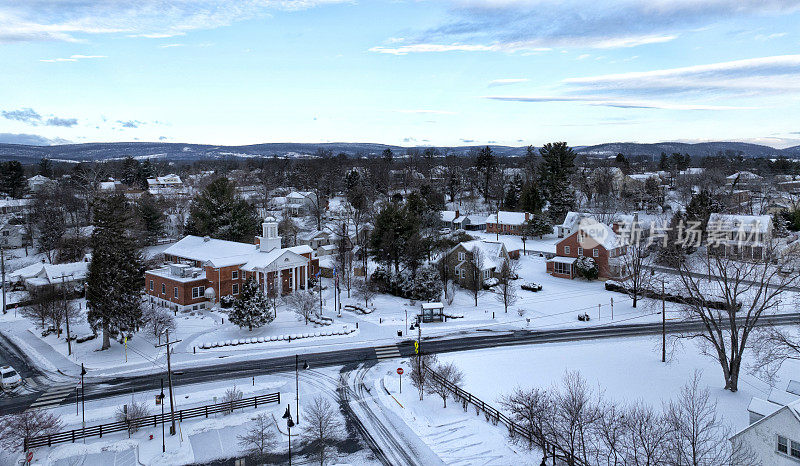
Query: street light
x,y
289,424
297,381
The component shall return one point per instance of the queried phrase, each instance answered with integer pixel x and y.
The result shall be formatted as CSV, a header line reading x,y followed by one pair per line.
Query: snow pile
x,y
297,336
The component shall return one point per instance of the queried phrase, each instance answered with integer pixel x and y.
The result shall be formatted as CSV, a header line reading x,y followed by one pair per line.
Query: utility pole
x,y
66,312
663,326
169,380
3,271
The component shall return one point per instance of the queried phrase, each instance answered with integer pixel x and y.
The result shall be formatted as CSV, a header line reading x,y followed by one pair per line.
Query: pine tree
x,y
12,179
486,163
220,213
539,225
131,171
145,171
151,218
46,167
530,199
115,274
558,166
252,309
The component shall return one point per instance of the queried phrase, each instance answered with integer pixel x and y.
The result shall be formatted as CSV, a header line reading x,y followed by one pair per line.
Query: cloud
x,y
617,103
30,139
507,81
73,21
166,46
427,112
33,118
130,123
25,115
525,25
72,58
66,122
467,141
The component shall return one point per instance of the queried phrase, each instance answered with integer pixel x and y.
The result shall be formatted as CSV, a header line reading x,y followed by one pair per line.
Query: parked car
x,y
9,378
532,287
444,231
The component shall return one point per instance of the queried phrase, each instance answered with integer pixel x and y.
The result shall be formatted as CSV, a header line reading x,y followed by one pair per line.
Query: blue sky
x,y
448,72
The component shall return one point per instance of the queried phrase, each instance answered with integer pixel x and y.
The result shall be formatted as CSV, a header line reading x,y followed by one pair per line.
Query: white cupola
x,y
269,239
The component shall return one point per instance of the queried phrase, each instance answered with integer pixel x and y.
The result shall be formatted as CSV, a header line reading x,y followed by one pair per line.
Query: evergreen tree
x,y
393,230
114,289
623,164
145,171
701,207
252,309
220,213
539,225
530,199
49,220
12,179
558,166
663,162
46,167
486,163
511,199
151,218
131,172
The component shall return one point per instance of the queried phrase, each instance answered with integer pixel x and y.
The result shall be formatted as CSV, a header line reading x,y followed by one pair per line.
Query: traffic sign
x,y
400,370
29,456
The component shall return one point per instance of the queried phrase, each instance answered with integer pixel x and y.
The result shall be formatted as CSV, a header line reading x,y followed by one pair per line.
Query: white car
x,y
9,378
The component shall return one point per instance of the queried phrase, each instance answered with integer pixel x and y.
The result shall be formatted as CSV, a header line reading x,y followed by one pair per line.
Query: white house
x,y
42,274
743,236
164,184
775,438
11,236
571,222
37,182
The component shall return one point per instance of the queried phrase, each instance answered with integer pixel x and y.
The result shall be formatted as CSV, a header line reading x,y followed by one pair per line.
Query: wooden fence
x,y
557,454
70,436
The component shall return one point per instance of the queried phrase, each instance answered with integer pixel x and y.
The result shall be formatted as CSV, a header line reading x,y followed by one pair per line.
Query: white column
x,y
295,272
306,276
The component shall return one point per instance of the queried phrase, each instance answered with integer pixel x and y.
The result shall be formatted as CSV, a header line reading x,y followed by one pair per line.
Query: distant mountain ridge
x,y
194,152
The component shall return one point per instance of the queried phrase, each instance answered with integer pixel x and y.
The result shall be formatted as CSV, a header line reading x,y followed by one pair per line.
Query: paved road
x,y
467,341
672,271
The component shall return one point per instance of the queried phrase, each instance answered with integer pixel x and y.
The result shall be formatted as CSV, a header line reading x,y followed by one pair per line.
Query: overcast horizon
x,y
407,73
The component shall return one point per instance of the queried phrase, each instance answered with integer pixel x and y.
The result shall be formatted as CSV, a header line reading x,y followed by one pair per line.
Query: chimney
x,y
457,214
527,216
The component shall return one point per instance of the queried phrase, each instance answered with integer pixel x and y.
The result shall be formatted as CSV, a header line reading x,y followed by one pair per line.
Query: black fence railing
x,y
493,415
148,421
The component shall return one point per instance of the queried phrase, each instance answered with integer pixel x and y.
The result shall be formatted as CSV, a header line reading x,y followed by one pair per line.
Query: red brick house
x,y
199,271
590,239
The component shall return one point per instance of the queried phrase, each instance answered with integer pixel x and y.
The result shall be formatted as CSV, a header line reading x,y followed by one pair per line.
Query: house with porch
x,y
740,236
475,260
199,271
590,239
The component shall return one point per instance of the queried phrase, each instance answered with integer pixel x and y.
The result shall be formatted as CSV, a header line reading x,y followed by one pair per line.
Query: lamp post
x,y
289,424
524,238
161,400
297,381
83,403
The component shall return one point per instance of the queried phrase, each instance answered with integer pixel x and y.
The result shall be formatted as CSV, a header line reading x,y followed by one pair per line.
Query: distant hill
x,y
703,149
194,152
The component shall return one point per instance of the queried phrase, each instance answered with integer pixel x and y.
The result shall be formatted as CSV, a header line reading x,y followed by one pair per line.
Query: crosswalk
x,y
52,397
387,352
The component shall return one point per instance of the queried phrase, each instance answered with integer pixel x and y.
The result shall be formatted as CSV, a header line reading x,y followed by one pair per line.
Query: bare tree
x,y
259,437
774,345
61,312
321,429
15,428
576,412
302,303
699,436
420,378
506,292
366,290
746,289
474,264
157,319
647,436
135,410
637,274
231,396
531,408
449,374
44,300
450,292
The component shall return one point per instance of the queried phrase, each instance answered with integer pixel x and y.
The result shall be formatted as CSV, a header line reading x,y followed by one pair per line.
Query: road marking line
x,y
387,352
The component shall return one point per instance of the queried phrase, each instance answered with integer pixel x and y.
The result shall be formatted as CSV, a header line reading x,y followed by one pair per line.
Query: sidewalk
x,y
37,352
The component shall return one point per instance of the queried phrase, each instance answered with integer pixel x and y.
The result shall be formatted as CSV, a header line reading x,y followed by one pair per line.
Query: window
x,y
580,251
463,273
461,256
595,252
486,273
566,249
783,445
151,285
6,233
235,274
455,271
795,451
562,268
198,292
235,288
163,288
175,292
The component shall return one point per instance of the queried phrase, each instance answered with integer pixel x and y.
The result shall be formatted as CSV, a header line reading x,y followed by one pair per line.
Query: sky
x,y
411,73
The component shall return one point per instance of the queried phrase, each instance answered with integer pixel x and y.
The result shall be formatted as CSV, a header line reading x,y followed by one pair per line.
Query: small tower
x,y
269,238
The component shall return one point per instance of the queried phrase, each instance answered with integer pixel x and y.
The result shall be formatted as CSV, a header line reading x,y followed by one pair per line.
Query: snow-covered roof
x,y
600,233
308,235
447,215
220,253
10,202
745,223
572,219
563,260
49,274
171,179
492,252
432,306
744,175
793,408
38,179
301,195
507,218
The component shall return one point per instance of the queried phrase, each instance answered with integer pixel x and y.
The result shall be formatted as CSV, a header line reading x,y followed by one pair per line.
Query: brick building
x,y
590,239
507,223
464,269
198,271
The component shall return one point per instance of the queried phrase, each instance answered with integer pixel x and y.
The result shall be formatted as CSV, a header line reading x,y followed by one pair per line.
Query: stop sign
x,y
400,370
